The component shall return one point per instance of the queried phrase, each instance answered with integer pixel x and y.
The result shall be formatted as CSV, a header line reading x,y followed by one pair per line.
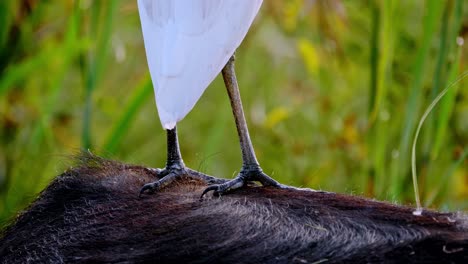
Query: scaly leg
x,y
175,167
251,170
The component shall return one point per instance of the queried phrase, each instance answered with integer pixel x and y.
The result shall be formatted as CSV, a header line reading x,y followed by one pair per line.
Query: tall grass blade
x,y
143,92
68,51
400,165
382,47
96,60
374,58
439,75
415,141
446,109
6,18
448,102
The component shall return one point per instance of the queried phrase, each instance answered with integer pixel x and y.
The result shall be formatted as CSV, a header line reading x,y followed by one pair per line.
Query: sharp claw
x,y
150,186
220,189
208,189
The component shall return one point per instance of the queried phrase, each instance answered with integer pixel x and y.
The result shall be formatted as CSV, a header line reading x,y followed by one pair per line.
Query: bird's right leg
x,y
175,167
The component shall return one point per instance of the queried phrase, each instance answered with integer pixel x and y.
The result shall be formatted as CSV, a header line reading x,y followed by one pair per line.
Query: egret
x,y
187,44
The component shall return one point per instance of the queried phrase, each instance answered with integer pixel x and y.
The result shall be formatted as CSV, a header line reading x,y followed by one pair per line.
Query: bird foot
x,y
171,173
245,176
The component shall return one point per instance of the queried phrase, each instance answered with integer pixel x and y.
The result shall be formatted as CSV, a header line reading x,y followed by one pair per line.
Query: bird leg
x,y
175,167
251,170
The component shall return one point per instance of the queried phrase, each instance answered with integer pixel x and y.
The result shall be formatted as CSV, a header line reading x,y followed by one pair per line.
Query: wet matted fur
x,y
92,213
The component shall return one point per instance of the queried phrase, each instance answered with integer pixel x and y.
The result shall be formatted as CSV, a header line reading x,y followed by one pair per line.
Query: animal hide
x,y
92,213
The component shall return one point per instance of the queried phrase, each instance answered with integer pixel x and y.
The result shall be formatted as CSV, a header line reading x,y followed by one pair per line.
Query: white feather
x,y
187,44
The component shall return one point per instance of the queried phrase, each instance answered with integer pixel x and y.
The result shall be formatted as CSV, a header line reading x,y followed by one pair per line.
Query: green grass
x,y
332,92
400,165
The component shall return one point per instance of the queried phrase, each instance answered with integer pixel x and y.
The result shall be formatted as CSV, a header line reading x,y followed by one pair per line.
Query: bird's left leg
x,y
251,170
175,167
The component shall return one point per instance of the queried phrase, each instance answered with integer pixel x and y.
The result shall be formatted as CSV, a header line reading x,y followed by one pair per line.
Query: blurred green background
x,y
333,91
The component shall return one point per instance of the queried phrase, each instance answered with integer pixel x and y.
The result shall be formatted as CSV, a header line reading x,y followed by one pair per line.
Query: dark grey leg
x,y
251,170
175,167
174,158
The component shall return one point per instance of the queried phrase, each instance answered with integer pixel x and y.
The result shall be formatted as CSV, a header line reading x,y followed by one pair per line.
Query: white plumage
x,y
187,44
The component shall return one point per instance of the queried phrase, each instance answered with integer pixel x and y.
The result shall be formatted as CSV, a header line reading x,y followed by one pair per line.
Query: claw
x,y
223,188
149,186
208,189
168,175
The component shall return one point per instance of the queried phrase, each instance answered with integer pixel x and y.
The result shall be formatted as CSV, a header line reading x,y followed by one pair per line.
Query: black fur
x,y
92,214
